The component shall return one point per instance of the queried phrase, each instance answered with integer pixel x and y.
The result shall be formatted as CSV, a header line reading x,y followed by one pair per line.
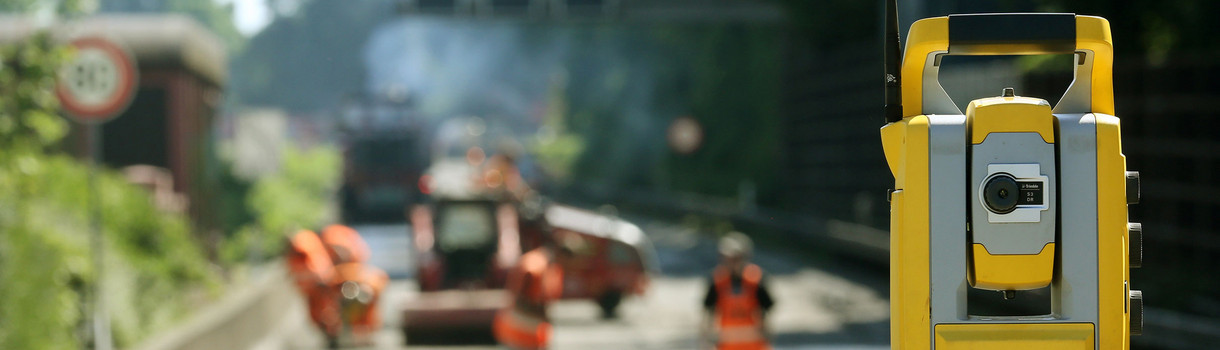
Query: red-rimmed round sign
x,y
99,81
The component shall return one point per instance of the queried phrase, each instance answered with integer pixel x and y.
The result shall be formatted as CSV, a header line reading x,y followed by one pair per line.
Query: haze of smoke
x,y
505,72
453,67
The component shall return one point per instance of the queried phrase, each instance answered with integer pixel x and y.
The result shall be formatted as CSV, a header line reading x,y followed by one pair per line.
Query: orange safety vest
x,y
536,281
308,261
313,270
375,279
739,318
346,240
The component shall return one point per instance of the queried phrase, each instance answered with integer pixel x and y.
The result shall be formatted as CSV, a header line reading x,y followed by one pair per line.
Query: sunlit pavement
x,y
821,303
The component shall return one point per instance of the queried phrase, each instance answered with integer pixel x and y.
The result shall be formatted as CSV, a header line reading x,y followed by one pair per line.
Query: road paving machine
x,y
1014,199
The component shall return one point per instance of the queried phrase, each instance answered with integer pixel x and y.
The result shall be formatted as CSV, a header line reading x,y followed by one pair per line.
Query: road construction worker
x,y
535,282
355,279
345,244
737,299
313,271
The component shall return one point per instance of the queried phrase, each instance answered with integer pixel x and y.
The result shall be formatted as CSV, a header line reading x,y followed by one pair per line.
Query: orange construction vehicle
x,y
466,237
465,240
463,250
480,218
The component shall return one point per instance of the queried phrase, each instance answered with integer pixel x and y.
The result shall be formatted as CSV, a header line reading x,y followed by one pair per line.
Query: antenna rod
x,y
893,64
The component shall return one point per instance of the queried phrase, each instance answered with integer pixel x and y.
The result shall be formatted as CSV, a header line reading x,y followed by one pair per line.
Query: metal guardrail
x,y
858,240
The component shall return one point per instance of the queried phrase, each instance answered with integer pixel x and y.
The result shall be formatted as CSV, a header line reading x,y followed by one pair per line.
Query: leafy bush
x,y
153,265
298,196
152,261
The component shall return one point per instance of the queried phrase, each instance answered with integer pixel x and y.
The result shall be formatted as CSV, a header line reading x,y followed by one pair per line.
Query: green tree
x,y
29,118
19,5
627,85
829,25
28,124
1155,29
297,197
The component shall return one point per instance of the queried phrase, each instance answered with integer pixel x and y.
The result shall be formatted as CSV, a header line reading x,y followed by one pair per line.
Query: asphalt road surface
x,y
822,302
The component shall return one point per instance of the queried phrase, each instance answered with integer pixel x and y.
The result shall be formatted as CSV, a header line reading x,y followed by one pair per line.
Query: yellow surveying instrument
x,y
1012,196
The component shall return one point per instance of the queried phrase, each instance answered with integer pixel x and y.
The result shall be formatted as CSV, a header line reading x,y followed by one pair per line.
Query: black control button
x,y
1001,194
1135,239
1137,312
1133,187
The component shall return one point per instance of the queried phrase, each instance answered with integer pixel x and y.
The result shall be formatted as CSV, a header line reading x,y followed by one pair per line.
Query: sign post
x,y
94,87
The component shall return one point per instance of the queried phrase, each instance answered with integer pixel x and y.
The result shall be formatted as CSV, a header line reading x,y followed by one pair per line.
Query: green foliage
x,y
831,25
298,196
557,154
18,5
738,109
28,106
555,147
231,204
38,269
1045,63
42,270
1156,30
152,259
726,77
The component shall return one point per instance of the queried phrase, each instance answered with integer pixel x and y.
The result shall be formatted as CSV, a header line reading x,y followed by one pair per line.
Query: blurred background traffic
x,y
678,121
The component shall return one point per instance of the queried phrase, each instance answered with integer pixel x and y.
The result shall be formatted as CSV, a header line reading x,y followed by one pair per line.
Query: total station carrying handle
x,y
1012,34
1092,89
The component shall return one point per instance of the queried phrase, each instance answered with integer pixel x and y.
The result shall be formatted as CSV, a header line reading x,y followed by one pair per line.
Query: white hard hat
x,y
736,244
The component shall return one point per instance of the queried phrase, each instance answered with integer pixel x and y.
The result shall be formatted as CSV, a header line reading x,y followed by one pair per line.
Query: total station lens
x,y
1000,194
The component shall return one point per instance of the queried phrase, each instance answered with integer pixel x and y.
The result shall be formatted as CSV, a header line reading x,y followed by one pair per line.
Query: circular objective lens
x,y
1000,194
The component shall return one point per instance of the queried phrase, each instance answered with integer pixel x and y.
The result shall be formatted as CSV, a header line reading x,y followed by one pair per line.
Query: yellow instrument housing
x,y
1012,271
1060,336
1010,114
910,147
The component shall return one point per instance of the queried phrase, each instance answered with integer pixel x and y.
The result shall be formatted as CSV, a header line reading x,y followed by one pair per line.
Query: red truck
x,y
615,262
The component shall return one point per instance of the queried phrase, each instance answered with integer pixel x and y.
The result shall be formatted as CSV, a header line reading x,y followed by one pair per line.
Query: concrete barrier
x,y
260,315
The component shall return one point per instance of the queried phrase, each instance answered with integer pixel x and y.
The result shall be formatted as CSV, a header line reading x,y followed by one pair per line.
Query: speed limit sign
x,y
98,82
